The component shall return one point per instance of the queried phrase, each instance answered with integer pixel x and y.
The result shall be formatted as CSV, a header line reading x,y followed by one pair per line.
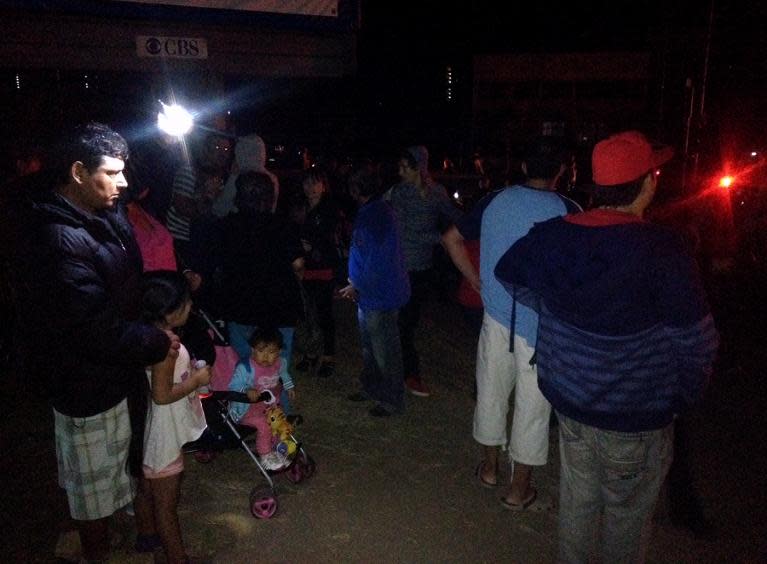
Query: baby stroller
x,y
224,433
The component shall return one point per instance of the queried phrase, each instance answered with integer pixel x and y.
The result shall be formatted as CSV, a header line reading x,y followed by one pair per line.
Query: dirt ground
x,y
393,490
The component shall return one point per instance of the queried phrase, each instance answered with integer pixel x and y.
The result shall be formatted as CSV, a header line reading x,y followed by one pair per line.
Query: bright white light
x,y
456,195
754,153
18,81
174,120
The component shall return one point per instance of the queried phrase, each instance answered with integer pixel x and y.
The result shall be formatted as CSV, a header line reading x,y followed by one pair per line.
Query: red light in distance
x,y
726,181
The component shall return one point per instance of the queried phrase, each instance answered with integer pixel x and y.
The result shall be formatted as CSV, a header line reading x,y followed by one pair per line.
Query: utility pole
x,y
687,127
702,121
704,81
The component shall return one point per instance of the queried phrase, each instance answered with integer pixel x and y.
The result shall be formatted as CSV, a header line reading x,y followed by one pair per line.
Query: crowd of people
x,y
598,314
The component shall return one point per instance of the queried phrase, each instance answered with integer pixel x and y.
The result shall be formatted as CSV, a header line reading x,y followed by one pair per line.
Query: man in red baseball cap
x,y
625,157
625,344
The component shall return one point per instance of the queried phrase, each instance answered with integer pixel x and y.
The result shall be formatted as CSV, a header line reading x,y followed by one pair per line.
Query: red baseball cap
x,y
624,157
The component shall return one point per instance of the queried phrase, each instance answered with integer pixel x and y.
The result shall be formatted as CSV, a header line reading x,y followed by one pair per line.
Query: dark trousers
x,y
381,377
409,316
321,293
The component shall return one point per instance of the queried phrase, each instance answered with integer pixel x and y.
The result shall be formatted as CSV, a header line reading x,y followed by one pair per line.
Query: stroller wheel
x,y
263,502
204,456
308,466
295,472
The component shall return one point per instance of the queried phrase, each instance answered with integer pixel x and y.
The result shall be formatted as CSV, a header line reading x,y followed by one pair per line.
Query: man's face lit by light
x,y
100,189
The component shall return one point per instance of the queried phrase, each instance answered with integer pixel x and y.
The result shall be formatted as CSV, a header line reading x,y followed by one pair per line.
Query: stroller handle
x,y
241,397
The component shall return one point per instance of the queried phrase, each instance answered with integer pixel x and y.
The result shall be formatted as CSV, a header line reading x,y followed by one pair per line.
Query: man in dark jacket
x,y
78,270
625,343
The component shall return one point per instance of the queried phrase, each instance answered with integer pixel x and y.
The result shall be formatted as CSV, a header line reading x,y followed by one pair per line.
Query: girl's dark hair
x,y
266,336
619,194
163,292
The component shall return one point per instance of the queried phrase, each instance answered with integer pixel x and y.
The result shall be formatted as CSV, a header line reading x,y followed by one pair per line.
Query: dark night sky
x,y
429,28
404,46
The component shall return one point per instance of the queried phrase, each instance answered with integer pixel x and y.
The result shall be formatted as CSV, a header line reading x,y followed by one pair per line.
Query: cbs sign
x,y
171,47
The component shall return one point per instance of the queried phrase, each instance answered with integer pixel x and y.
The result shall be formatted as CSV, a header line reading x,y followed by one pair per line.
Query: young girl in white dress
x,y
175,417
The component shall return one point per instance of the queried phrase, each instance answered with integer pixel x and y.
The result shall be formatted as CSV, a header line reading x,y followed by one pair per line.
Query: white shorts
x,y
498,373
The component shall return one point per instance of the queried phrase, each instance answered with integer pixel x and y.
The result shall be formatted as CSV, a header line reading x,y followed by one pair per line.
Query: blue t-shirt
x,y
498,221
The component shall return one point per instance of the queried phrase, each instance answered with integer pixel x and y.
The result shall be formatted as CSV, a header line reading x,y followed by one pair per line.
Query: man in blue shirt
x,y
378,282
503,364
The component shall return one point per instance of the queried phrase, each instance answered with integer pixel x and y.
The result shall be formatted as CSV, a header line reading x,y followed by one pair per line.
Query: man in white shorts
x,y
505,364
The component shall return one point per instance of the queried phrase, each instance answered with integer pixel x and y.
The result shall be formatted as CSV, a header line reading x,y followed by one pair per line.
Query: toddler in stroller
x,y
262,376
250,401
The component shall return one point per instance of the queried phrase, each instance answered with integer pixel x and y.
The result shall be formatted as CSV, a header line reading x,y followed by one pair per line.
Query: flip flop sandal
x,y
484,483
534,503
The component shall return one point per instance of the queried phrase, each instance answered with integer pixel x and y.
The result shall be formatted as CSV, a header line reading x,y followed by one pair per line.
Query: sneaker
x,y
417,387
357,396
273,461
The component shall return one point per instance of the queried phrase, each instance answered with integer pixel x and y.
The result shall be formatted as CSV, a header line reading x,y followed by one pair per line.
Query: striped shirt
x,y
184,184
626,383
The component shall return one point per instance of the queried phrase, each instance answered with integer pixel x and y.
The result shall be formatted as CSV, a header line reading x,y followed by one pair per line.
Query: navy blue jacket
x,y
625,337
77,281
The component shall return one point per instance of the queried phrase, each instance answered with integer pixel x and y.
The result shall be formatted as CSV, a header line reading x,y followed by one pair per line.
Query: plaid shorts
x,y
92,454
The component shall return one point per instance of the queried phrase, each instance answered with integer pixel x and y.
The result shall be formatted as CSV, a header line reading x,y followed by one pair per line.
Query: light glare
x,y
174,120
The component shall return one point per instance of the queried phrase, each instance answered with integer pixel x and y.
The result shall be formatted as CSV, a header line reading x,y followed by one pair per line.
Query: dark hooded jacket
x,y
625,336
77,279
257,283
